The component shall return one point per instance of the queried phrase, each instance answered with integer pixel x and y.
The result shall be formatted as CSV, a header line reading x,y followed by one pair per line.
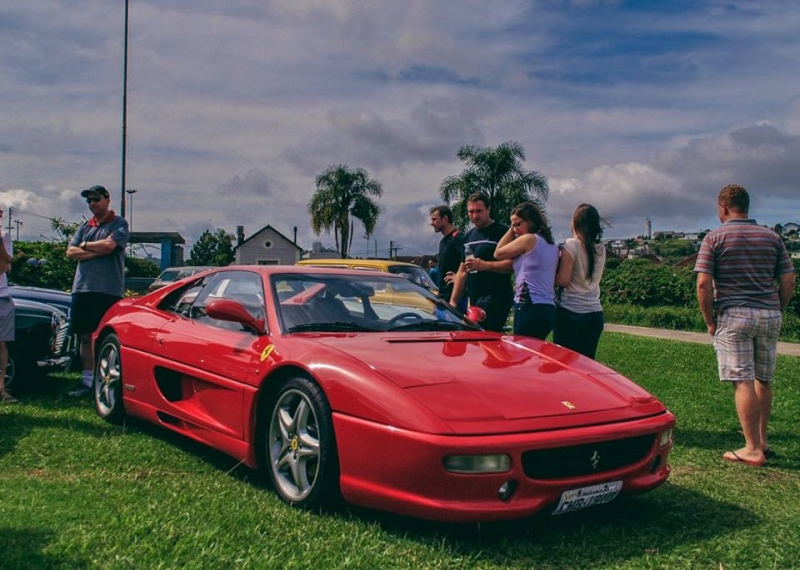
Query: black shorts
x,y
88,309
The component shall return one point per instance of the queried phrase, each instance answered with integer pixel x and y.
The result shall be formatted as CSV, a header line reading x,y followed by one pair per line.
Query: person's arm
x,y
705,298
786,284
75,253
508,247
564,271
101,247
477,264
459,283
5,258
91,249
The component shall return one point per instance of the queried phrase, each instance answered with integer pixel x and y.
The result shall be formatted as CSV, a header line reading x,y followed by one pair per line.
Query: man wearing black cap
x,y
99,248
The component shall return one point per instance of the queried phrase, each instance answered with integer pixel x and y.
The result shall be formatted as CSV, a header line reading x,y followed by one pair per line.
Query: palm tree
x,y
342,196
498,173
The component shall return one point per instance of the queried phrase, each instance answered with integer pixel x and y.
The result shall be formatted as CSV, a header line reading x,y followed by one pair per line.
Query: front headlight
x,y
666,438
477,463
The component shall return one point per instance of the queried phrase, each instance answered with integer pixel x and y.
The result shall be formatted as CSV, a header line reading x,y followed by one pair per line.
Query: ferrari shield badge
x,y
267,351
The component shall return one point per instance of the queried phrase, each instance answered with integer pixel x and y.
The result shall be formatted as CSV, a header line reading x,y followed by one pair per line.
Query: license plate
x,y
576,499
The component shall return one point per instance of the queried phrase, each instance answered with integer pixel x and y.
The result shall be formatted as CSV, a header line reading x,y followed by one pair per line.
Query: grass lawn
x,y
78,493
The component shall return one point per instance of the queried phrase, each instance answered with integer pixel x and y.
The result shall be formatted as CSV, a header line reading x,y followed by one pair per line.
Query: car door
x,y
207,369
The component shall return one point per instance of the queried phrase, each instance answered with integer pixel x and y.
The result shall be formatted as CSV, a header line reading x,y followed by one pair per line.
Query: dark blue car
x,y
40,345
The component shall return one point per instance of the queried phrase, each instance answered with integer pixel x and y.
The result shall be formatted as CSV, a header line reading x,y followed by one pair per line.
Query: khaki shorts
x,y
747,343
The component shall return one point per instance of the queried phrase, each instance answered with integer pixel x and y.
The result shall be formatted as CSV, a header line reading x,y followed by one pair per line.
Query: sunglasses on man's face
x,y
93,199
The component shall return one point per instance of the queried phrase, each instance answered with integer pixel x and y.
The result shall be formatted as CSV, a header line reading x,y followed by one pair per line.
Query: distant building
x,y
267,246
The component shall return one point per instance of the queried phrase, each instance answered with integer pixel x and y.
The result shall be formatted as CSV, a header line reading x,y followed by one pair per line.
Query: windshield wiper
x,y
433,326
338,326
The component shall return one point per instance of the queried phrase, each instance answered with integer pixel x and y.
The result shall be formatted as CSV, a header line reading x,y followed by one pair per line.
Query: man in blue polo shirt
x,y
99,248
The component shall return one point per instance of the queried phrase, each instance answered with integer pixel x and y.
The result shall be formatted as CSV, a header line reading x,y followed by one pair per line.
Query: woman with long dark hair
x,y
579,314
529,244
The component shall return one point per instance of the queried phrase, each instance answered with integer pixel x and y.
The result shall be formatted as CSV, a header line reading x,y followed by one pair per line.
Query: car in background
x,y
339,394
172,274
61,300
41,331
389,295
413,273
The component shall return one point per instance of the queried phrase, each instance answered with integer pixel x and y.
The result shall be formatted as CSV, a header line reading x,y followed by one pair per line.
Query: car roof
x,y
383,263
267,270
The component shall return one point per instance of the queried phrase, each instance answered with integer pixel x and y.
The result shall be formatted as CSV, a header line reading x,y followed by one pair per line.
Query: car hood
x,y
483,377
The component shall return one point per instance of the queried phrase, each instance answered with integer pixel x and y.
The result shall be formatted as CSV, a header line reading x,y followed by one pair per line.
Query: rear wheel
x,y
108,381
11,373
301,447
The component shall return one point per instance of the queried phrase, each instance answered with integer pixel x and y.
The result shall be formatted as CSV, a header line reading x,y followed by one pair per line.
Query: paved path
x,y
788,348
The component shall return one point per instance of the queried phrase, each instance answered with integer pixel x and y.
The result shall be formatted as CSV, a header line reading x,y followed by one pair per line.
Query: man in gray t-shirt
x,y
99,248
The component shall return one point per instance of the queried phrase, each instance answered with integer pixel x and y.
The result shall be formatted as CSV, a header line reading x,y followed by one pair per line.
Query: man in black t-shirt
x,y
451,251
486,280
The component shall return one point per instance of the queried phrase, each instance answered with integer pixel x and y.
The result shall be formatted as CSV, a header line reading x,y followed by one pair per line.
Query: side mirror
x,y
476,314
228,310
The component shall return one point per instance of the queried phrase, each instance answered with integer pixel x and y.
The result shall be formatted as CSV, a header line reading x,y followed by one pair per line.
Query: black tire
x,y
300,447
22,374
108,380
11,373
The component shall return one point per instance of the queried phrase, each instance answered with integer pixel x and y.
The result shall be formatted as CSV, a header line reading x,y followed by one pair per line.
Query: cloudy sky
x,y
643,108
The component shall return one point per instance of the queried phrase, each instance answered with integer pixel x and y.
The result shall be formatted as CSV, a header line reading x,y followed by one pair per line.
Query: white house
x,y
267,246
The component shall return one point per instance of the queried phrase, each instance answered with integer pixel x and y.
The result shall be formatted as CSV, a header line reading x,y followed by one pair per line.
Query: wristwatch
x,y
82,244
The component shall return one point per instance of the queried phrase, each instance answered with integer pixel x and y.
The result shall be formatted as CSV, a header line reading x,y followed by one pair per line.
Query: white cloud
x,y
234,108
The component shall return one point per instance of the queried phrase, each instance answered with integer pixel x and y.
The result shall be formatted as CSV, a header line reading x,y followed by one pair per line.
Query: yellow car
x,y
413,273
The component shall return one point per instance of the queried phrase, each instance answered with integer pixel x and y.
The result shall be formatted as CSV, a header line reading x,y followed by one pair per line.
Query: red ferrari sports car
x,y
365,387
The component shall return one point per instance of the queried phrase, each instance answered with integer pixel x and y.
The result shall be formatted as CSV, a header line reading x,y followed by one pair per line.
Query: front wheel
x,y
108,381
301,447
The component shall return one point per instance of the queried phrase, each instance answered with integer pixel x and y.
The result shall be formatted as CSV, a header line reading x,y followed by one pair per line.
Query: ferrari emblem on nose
x,y
595,460
569,405
267,351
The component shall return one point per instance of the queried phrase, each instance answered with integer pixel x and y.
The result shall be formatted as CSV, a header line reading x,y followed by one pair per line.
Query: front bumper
x,y
401,471
53,363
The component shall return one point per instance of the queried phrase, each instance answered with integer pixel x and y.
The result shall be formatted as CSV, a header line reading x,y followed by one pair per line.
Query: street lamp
x,y
131,192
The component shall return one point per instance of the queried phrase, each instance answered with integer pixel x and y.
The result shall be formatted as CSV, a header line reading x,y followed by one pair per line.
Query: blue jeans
x,y
534,319
578,331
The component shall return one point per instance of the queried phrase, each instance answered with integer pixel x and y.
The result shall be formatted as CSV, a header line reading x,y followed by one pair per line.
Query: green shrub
x,y
42,264
642,283
794,305
676,318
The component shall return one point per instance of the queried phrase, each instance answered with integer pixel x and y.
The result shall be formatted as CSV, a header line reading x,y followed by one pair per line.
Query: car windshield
x,y
414,274
169,275
311,302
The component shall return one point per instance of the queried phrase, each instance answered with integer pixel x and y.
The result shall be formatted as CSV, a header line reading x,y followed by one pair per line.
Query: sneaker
x,y
7,398
81,391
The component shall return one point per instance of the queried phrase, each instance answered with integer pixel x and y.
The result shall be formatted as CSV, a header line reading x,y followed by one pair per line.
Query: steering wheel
x,y
402,316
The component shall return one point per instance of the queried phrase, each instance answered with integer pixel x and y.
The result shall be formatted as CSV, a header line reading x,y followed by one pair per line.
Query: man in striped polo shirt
x,y
737,268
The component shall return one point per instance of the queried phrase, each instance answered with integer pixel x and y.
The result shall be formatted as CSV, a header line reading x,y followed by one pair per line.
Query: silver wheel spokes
x,y
107,387
294,445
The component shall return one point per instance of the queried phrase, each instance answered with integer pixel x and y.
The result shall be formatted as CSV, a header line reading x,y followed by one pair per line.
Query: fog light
x,y
656,464
477,463
507,490
666,437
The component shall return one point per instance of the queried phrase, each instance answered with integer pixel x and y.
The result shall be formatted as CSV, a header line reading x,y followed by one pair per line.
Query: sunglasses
x,y
93,199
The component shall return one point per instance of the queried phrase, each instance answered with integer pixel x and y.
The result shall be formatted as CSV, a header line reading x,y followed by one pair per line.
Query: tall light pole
x,y
131,192
124,110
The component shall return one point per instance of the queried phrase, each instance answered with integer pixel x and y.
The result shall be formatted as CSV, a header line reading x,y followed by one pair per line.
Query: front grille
x,y
585,459
60,338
